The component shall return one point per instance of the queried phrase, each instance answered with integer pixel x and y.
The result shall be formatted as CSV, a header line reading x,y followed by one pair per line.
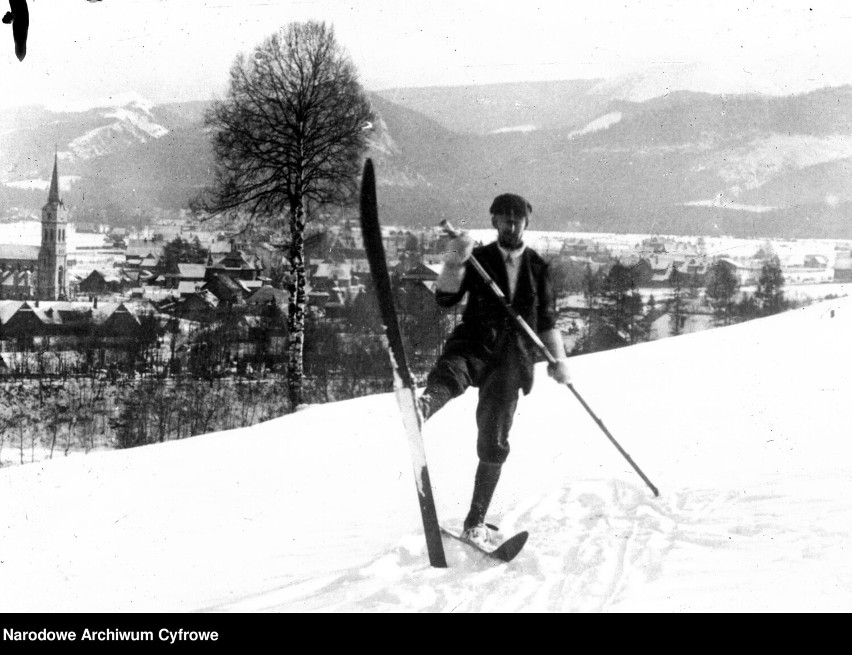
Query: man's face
x,y
510,230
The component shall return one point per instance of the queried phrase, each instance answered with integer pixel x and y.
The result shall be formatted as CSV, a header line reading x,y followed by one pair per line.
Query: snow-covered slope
x,y
743,429
718,76
752,165
600,123
129,124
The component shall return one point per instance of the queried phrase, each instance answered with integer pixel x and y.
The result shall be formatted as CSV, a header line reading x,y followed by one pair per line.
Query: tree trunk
x,y
297,304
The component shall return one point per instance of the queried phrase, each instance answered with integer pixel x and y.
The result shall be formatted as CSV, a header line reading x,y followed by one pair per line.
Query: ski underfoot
x,y
505,551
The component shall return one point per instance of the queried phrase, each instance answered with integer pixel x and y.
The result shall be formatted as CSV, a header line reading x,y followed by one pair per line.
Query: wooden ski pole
x,y
524,327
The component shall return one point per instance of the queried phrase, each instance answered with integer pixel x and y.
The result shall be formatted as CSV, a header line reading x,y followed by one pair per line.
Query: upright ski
x,y
404,385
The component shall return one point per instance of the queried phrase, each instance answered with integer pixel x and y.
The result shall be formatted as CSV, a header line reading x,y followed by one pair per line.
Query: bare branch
x,y
290,131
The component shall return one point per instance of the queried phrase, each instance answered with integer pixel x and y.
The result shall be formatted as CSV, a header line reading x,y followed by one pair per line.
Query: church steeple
x,y
53,195
53,260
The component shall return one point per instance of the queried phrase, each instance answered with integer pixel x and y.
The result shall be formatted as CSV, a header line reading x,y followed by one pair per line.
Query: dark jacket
x,y
486,331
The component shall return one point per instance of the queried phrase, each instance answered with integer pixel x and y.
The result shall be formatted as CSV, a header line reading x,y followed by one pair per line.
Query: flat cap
x,y
510,204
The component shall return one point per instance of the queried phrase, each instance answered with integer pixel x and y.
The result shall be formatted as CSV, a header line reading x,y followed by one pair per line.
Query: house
x,y
16,285
70,317
226,289
149,262
26,321
139,249
192,272
422,273
184,272
97,283
221,246
119,321
251,285
843,266
268,295
417,297
185,289
661,272
200,306
344,245
132,262
130,278
326,276
747,272
66,319
235,264
814,269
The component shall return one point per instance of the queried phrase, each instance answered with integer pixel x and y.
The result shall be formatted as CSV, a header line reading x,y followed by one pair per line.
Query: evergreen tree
x,y
676,281
622,306
722,287
747,308
638,329
180,251
412,243
770,288
566,277
591,290
616,292
642,272
694,284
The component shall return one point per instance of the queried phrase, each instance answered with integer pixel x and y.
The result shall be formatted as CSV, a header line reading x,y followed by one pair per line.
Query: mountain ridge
x,y
682,162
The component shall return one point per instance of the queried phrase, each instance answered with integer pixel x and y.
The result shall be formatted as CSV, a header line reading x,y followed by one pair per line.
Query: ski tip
x,y
509,549
368,193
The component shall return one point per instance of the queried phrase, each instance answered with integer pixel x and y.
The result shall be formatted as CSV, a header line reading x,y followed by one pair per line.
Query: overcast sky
x,y
182,49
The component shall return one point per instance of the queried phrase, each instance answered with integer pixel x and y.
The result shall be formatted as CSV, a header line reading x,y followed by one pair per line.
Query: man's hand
x,y
459,249
559,371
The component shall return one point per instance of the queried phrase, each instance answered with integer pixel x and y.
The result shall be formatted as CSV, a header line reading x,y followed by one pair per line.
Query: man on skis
x,y
486,350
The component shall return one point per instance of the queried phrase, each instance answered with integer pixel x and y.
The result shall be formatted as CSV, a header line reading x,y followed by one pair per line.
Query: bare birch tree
x,y
293,128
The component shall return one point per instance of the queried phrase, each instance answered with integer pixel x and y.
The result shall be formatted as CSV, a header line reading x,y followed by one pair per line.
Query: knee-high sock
x,y
484,484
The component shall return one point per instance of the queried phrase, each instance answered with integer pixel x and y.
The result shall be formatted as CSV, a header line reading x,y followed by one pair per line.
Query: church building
x,y
39,272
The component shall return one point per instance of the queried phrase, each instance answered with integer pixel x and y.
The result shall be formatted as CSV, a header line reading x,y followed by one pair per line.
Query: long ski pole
x,y
529,332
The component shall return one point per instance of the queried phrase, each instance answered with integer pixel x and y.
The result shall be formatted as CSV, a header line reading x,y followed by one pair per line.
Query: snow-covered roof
x,y
14,251
187,286
195,271
8,309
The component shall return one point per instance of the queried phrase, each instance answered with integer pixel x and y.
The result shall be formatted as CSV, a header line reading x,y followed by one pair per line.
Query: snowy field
x,y
29,233
744,430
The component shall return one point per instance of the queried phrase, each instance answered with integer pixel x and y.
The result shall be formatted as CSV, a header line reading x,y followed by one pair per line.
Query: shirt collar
x,y
514,254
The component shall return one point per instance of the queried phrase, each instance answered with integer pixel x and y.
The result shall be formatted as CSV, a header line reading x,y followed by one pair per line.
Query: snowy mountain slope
x,y
600,123
743,429
586,161
750,166
132,124
719,77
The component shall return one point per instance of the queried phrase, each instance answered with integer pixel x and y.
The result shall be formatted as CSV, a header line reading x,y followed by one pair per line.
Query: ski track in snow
x,y
621,542
613,547
743,429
